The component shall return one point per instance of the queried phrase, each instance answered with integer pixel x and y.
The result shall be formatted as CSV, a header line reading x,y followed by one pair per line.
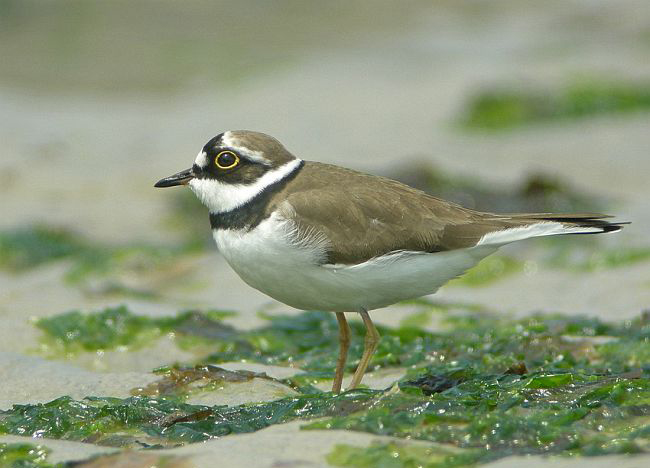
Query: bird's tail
x,y
522,226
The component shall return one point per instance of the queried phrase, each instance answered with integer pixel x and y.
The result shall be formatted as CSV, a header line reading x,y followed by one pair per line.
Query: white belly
x,y
266,259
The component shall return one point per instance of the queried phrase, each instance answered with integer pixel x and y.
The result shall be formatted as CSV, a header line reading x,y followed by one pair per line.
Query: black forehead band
x,y
216,141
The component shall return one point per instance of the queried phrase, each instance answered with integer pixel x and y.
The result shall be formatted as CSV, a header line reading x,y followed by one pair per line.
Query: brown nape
x,y
262,143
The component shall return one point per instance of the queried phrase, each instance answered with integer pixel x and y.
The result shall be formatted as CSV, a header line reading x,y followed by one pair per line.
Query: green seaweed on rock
x,y
575,256
480,419
489,270
590,256
548,384
471,339
28,247
399,455
491,417
308,340
24,248
154,422
482,388
21,455
73,332
499,109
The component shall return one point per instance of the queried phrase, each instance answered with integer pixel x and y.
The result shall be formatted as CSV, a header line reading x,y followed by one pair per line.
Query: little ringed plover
x,y
318,236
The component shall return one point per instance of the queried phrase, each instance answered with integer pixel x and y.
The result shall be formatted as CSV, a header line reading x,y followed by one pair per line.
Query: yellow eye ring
x,y
226,160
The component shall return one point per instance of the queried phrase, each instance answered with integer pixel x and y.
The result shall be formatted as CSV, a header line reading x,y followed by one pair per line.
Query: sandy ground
x,y
88,162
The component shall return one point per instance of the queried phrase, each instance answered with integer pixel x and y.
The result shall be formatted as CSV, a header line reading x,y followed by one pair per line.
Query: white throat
x,y
220,197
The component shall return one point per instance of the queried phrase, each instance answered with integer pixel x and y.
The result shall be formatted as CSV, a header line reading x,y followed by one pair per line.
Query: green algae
x,y
489,270
581,256
398,455
25,248
500,109
142,421
482,388
309,340
561,255
548,384
426,310
491,417
20,455
590,256
73,332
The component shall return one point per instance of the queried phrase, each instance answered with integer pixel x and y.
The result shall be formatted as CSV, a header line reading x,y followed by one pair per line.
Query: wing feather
x,y
359,216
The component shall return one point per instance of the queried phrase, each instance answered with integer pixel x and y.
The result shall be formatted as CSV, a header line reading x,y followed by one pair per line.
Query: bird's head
x,y
233,167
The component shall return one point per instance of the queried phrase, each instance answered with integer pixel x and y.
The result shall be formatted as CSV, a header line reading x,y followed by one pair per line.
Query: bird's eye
x,y
226,160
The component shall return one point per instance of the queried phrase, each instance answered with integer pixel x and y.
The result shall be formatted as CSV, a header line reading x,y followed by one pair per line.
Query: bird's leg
x,y
370,345
344,341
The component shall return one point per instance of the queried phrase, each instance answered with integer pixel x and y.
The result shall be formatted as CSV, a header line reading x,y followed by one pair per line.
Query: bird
x,y
317,236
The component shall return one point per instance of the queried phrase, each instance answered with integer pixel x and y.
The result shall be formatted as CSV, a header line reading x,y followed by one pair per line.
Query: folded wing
x,y
379,216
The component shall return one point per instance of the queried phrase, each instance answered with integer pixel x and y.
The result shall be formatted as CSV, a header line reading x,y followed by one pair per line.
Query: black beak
x,y
180,178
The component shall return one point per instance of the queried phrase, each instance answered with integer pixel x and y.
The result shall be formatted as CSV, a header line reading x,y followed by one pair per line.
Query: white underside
x,y
268,259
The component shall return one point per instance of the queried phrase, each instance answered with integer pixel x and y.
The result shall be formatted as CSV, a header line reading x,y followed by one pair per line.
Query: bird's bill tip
x,y
180,178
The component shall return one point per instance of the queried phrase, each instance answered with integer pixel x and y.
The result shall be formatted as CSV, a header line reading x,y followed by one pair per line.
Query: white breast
x,y
268,259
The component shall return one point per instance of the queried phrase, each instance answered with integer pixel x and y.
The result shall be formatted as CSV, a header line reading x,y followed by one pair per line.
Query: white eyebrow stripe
x,y
201,159
255,156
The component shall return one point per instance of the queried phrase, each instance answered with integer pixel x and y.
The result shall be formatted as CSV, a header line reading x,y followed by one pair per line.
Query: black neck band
x,y
254,211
